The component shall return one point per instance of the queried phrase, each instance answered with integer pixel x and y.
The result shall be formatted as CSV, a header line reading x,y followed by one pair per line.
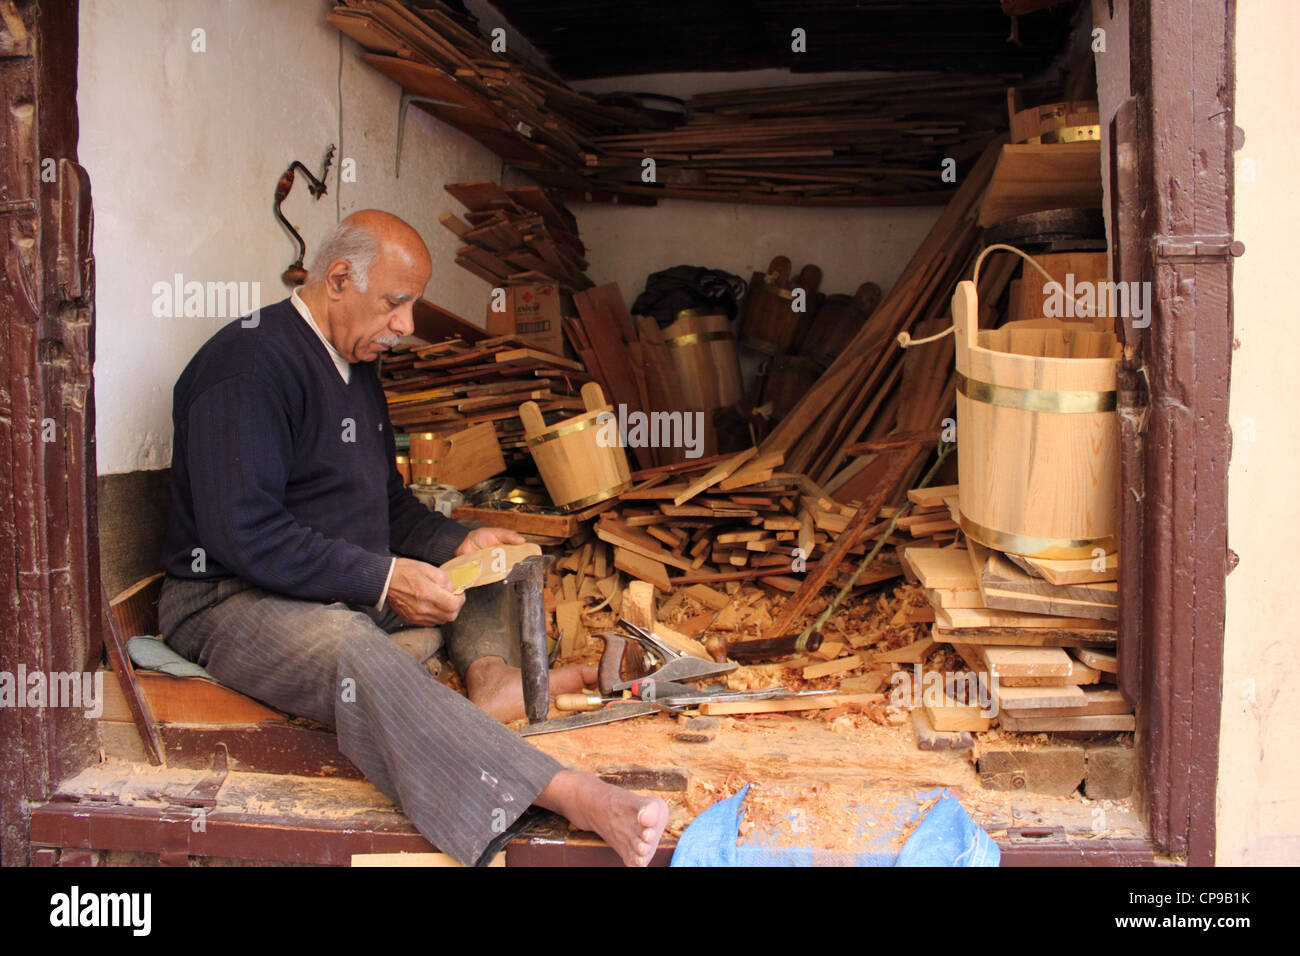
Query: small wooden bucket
x,y
427,449
576,468
703,351
769,322
1037,435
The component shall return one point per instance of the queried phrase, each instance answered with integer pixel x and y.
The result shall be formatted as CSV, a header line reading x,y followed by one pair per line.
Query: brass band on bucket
x,y
1036,399
1051,548
695,337
587,421
597,497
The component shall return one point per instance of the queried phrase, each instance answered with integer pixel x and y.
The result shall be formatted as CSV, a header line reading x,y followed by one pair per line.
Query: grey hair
x,y
354,244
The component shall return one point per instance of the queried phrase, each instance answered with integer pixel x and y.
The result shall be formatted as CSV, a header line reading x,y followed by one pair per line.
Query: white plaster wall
x,y
184,149
1258,818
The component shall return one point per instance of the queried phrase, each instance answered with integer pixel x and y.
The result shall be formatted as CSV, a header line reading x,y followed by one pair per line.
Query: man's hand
x,y
423,594
481,538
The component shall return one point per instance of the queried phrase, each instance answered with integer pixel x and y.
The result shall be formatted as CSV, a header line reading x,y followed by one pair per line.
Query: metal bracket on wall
x,y
1193,248
406,100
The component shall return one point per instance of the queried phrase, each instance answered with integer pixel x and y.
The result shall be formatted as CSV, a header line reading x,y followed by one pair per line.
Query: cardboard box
x,y
532,313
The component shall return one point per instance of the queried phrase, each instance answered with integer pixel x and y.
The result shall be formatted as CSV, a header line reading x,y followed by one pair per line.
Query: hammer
x,y
526,581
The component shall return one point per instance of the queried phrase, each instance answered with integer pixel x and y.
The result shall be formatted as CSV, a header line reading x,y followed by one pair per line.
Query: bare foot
x,y
632,825
498,689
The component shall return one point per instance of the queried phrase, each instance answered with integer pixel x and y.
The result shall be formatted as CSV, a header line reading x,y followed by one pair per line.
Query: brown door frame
x,y
50,612
1172,165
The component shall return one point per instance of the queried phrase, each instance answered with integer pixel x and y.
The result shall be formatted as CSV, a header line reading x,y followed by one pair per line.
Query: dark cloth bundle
x,y
689,287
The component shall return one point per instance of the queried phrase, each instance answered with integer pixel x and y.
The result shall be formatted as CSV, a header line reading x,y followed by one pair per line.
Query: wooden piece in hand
x,y
487,565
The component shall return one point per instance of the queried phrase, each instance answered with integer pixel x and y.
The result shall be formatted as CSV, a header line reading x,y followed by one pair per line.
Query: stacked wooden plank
x,y
517,236
865,142
862,142
1044,629
741,517
452,385
514,107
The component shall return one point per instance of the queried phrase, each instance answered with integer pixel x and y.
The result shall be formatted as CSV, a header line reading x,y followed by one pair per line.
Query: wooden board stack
x,y
1046,629
867,142
741,517
518,109
516,236
451,385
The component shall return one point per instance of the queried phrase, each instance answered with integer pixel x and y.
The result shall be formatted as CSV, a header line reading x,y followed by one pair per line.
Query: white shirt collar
x,y
340,363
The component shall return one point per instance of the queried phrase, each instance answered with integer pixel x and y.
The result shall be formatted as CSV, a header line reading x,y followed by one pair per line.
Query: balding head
x,y
364,281
361,238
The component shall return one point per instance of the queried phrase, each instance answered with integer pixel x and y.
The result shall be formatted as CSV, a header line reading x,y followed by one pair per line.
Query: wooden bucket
x,y
1037,435
575,467
703,351
769,322
427,450
838,321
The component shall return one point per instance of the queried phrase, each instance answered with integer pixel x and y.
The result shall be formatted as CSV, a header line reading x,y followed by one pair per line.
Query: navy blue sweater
x,y
285,476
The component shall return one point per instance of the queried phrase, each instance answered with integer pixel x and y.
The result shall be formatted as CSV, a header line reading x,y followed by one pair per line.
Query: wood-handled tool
x,y
771,648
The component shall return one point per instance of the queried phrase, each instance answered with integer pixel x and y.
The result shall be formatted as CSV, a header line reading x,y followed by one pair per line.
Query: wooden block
x,y
1105,661
1093,723
823,702
1002,573
1097,700
1018,636
872,682
708,596
1019,698
986,617
1004,600
837,666
471,456
643,568
1078,571
927,738
1027,661
639,604
951,716
1051,770
828,651
942,567
932,496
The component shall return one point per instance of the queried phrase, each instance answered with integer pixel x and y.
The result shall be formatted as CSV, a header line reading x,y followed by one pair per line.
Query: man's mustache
x,y
388,341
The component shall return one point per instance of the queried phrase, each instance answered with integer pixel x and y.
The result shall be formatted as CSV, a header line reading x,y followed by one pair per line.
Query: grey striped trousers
x,y
459,775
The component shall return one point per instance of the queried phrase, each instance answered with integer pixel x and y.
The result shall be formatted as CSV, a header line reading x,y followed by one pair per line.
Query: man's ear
x,y
337,278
